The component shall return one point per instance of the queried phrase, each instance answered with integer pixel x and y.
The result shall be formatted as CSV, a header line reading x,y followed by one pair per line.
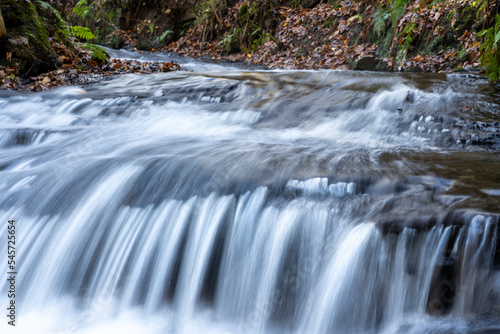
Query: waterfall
x,y
246,203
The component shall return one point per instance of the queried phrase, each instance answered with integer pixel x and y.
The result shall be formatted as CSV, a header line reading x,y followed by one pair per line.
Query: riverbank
x,y
416,37
83,74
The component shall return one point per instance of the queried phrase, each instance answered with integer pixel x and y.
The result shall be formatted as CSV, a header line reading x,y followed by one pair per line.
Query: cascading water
x,y
242,201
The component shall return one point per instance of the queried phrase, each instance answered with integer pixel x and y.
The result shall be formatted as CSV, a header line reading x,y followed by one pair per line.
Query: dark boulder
x,y
369,63
30,27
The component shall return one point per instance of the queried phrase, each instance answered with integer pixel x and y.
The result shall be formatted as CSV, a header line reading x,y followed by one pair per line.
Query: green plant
x,y
86,34
379,24
96,51
482,7
82,32
408,32
243,12
227,41
490,52
401,56
83,9
462,54
209,10
330,21
398,10
208,15
164,35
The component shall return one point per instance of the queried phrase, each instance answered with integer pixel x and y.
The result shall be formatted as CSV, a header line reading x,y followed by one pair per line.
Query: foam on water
x,y
239,202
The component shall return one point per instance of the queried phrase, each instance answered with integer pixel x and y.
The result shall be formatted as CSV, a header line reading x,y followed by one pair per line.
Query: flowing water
x,y
235,200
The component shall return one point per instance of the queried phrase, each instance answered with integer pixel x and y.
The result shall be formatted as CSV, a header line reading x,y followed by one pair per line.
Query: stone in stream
x,y
369,63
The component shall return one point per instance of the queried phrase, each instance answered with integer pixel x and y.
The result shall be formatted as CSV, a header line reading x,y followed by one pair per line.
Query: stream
x,y
230,199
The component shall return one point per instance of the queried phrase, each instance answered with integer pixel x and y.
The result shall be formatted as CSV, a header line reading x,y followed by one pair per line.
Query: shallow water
x,y
233,200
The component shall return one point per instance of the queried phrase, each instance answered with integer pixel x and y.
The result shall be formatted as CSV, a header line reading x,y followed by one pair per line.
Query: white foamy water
x,y
242,202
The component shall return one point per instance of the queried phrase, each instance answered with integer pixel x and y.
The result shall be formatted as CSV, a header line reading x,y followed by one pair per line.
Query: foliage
x,y
82,32
164,35
96,51
228,40
83,9
208,15
398,10
482,7
379,24
85,33
29,25
433,35
490,51
408,33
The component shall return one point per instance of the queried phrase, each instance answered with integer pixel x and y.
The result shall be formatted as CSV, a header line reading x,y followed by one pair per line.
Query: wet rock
x,y
32,26
478,133
365,64
413,69
444,287
382,66
370,63
495,261
421,221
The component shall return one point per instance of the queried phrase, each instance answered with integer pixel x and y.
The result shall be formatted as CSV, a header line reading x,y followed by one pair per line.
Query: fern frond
x,y
82,32
82,9
379,23
97,52
490,52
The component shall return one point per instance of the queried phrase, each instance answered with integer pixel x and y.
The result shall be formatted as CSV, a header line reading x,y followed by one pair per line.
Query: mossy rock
x,y
144,44
365,64
369,63
413,69
29,26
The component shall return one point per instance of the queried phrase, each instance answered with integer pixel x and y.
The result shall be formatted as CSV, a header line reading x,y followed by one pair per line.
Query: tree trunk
x,y
3,31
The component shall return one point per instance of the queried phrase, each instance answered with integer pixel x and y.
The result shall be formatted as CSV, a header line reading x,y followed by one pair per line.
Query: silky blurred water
x,y
232,200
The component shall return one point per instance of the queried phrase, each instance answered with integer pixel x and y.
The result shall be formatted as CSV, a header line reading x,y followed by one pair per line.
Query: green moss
x,y
398,10
243,13
22,20
144,45
434,45
29,25
385,44
466,19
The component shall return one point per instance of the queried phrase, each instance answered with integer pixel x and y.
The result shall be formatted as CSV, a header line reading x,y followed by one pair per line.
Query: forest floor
x,y
427,38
